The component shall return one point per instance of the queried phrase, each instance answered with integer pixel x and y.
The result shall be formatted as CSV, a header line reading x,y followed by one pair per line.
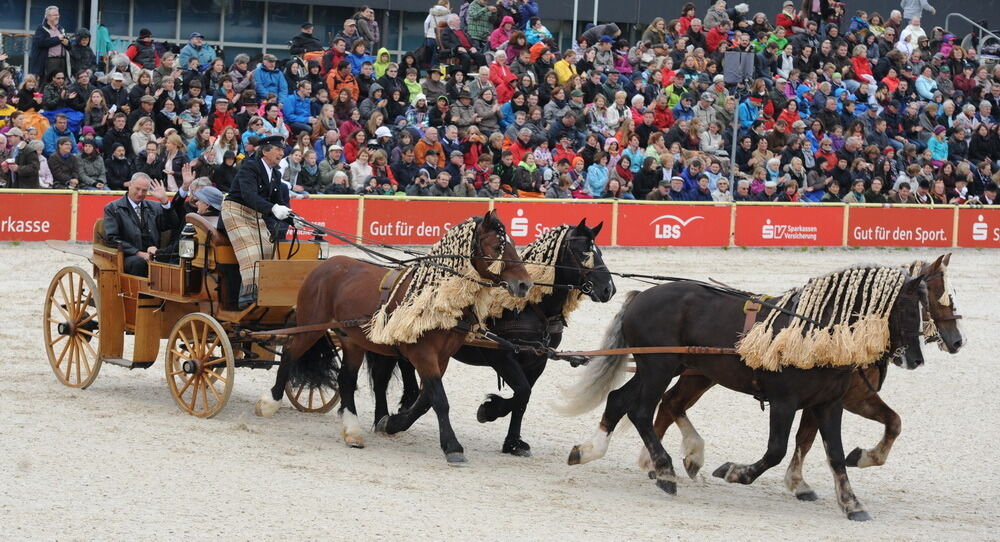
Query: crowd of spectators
x,y
855,107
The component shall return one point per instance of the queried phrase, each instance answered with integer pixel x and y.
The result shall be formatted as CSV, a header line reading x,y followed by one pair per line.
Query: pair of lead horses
x,y
344,289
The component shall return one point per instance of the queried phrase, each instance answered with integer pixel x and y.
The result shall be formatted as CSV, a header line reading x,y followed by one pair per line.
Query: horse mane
x,y
539,257
435,297
852,306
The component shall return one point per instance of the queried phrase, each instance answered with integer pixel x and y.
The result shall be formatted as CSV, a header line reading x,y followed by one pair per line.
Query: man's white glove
x,y
280,212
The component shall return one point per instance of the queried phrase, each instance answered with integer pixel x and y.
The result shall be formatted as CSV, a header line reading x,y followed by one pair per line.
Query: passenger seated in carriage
x,y
134,225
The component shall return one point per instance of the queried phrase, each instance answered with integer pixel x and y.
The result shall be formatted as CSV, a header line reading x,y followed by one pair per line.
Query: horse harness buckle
x,y
752,308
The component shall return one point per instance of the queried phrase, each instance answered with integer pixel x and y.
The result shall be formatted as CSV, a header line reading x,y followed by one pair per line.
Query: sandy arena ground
x,y
121,461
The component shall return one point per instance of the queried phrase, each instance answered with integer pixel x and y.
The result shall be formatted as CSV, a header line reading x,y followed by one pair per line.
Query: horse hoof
x,y
854,457
519,449
354,441
692,468
574,456
807,496
667,486
382,424
482,414
860,515
651,474
456,458
722,470
265,407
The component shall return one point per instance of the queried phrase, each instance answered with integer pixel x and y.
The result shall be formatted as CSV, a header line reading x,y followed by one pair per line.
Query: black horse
x,y
688,314
578,269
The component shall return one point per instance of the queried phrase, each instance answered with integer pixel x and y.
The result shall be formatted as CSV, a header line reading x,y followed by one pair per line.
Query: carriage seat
x,y
210,225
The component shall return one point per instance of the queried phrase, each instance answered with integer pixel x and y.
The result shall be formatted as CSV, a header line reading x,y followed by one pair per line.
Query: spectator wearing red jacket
x,y
716,36
220,118
788,18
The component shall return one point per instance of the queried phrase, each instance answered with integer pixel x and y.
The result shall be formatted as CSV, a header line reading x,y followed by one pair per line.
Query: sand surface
x,y
120,461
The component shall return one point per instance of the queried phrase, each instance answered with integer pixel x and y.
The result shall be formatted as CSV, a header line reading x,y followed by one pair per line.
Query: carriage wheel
x,y
306,399
321,399
70,320
199,365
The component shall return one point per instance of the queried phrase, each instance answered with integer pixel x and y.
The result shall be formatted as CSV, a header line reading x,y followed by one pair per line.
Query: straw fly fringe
x,y
539,259
435,298
853,305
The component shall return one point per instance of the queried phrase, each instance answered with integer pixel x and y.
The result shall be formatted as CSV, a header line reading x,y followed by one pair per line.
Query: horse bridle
x,y
494,279
926,315
585,285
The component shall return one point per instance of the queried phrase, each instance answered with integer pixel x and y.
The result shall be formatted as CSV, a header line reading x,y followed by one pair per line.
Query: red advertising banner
x,y
979,227
35,216
900,226
786,225
652,225
529,218
333,213
90,207
415,222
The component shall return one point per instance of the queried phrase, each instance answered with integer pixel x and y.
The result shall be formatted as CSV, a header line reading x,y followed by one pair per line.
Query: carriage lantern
x,y
186,246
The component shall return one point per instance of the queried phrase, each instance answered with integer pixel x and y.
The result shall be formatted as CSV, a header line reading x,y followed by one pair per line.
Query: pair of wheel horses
x,y
686,314
426,316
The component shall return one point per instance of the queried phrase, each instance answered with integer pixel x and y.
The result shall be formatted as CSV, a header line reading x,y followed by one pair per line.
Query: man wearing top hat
x,y
254,210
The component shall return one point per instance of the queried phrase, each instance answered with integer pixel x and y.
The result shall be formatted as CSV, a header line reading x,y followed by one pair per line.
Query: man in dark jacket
x,y
456,44
49,46
81,56
151,163
23,173
134,224
120,133
256,206
304,42
405,170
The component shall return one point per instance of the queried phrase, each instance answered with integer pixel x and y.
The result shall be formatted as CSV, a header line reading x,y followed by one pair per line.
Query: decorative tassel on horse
x,y
437,291
853,306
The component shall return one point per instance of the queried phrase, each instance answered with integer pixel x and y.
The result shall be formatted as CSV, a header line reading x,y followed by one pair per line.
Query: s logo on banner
x,y
519,225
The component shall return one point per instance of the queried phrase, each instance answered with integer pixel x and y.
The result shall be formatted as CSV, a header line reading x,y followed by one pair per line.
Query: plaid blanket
x,y
250,238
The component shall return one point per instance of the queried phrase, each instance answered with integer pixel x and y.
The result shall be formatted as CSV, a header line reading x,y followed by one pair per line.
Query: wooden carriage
x,y
191,304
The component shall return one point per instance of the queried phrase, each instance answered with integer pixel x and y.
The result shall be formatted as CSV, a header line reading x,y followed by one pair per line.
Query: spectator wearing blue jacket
x,y
196,48
358,57
691,173
268,79
527,10
749,112
58,129
297,108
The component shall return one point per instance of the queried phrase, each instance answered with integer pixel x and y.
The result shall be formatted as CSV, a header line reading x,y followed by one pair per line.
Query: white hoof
x,y
266,406
351,430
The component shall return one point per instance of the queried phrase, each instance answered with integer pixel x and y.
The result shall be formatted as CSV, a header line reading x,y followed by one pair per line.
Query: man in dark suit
x,y
134,224
255,210
455,43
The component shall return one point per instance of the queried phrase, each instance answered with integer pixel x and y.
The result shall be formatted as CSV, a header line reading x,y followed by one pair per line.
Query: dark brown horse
x,y
688,314
344,289
861,398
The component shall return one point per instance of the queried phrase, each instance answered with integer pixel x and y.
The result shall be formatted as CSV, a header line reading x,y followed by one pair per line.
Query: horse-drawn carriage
x,y
191,303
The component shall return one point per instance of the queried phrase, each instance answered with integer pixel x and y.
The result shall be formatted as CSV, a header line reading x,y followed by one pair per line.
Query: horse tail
x,y
319,366
603,373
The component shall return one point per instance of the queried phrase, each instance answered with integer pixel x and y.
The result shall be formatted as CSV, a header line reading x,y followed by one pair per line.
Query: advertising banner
x,y
785,225
900,227
334,213
652,225
35,216
90,208
415,222
979,227
529,218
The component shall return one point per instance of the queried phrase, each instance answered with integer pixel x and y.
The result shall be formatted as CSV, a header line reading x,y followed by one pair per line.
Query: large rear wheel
x,y
70,323
321,399
199,365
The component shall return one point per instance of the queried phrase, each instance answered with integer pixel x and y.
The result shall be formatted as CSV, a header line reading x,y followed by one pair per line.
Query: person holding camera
x,y
421,185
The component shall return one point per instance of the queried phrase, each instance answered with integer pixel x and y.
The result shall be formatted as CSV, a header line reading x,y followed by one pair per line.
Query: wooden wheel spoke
x,y
216,376
187,344
214,361
215,393
68,297
177,372
69,361
194,391
58,338
204,392
187,384
85,301
322,396
78,296
62,354
217,342
65,301
79,358
204,341
196,345
85,331
87,346
182,355
90,316
53,320
298,392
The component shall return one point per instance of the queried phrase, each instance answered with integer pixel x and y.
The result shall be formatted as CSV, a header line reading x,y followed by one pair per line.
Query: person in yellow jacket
x,y
566,68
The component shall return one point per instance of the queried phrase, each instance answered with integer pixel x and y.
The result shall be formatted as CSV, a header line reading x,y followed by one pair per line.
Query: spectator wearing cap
x,y
142,52
268,79
196,48
349,34
304,42
23,172
604,57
